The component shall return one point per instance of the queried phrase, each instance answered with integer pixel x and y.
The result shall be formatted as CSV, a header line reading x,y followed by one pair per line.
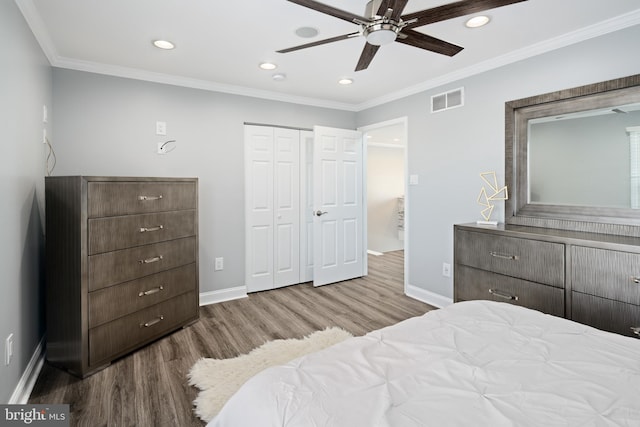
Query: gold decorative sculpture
x,y
492,194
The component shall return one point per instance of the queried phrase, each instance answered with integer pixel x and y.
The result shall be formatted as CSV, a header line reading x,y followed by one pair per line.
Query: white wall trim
x,y
222,295
39,30
28,379
427,297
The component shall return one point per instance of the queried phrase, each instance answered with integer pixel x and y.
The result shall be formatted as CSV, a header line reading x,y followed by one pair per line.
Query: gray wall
x,y
106,126
448,150
25,85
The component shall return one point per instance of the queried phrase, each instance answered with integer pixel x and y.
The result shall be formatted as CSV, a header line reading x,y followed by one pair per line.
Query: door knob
x,y
320,213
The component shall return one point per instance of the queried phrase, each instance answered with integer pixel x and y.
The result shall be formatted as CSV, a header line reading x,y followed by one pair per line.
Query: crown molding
x,y
150,76
608,26
31,15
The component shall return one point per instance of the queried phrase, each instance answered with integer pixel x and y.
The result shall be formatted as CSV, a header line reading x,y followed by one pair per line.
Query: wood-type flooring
x,y
149,387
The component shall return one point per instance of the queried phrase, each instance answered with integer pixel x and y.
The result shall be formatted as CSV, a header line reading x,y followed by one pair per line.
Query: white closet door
x,y
306,206
287,207
339,205
259,212
272,210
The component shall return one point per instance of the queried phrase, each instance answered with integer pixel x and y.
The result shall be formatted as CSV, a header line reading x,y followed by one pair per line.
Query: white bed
x,y
476,363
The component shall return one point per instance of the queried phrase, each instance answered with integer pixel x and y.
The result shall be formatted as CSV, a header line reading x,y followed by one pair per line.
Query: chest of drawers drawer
x,y
126,198
120,336
474,284
606,314
116,301
606,273
119,232
527,259
111,268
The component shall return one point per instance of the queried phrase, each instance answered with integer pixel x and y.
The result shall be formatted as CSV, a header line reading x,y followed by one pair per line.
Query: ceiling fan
x,y
385,24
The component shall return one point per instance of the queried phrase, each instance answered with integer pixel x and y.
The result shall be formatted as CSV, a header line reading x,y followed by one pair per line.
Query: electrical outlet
x,y
219,264
446,269
8,349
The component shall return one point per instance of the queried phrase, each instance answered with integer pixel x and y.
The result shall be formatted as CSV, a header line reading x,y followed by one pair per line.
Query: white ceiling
x,y
220,44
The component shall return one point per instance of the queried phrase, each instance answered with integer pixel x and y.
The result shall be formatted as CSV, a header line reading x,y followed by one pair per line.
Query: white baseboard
x,y
427,297
229,294
28,379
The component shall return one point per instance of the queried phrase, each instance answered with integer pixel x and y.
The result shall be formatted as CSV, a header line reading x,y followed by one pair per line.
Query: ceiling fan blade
x,y
423,41
319,42
453,10
398,7
330,10
367,55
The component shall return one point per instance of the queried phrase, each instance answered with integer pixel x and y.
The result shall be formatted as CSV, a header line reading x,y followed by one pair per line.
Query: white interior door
x,y
306,206
287,207
338,232
272,230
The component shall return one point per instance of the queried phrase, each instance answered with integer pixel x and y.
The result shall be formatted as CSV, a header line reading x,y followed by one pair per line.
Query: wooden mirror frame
x,y
518,211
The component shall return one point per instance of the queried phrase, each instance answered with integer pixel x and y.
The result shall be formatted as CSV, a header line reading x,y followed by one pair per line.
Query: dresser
x,y
121,265
590,278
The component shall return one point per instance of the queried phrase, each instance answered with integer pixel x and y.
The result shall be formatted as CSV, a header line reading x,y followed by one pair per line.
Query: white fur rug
x,y
219,379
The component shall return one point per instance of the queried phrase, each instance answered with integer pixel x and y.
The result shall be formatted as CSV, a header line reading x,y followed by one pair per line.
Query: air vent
x,y
447,100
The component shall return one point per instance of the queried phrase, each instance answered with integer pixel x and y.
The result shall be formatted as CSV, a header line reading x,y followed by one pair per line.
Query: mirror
x,y
572,158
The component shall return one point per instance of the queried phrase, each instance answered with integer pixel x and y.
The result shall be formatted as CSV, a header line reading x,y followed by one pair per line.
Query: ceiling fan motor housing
x,y
371,10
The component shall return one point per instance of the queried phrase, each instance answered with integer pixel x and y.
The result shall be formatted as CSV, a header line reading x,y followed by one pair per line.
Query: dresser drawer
x,y
474,284
120,232
122,335
605,273
527,259
116,301
111,268
124,198
605,314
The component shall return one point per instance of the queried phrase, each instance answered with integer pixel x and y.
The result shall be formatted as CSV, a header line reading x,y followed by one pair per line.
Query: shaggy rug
x,y
219,379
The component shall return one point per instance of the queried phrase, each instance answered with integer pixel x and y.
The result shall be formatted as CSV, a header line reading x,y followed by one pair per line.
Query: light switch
x,y
161,128
413,180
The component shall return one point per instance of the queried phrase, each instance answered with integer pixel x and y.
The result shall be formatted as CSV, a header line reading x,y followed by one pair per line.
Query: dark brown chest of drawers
x,y
121,265
587,277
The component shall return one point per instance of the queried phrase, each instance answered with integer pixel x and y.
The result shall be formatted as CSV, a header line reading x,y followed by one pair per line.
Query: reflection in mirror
x,y
589,158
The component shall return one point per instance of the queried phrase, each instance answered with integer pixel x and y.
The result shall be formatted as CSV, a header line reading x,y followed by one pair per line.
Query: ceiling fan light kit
x,y
384,23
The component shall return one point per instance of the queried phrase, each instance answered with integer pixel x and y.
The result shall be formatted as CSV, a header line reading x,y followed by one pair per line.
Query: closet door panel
x,y
259,212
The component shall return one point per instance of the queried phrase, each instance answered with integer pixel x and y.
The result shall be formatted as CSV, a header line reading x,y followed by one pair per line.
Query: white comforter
x,y
476,364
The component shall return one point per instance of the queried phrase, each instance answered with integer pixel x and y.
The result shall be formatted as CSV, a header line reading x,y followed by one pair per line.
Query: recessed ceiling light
x,y
345,81
477,21
268,66
279,77
306,32
163,44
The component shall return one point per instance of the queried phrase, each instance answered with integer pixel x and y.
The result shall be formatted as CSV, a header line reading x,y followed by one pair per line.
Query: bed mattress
x,y
476,363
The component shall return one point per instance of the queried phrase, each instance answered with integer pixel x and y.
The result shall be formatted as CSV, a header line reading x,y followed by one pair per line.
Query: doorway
x,y
386,188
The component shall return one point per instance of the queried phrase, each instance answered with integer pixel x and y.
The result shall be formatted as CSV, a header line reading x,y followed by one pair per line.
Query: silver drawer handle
x,y
142,198
502,256
151,291
500,294
635,279
157,228
636,330
152,322
150,260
